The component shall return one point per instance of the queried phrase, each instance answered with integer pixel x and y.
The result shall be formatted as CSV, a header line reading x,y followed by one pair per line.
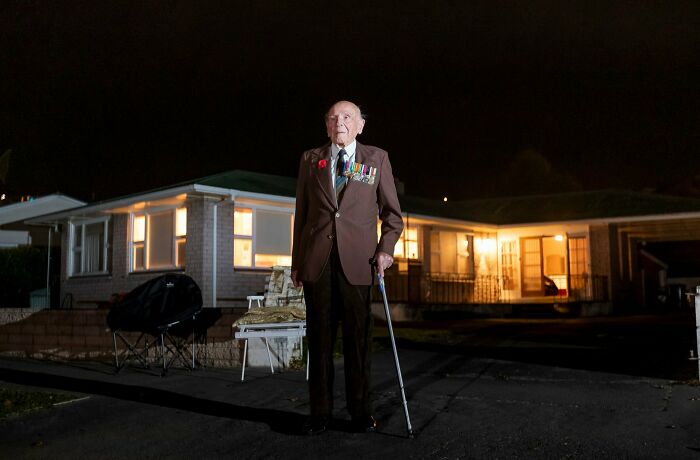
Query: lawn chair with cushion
x,y
280,313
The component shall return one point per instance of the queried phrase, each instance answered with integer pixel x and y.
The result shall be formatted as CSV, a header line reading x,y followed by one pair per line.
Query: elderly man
x,y
342,187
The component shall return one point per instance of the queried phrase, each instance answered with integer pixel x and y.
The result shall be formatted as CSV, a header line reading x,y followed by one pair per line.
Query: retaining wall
x,y
83,334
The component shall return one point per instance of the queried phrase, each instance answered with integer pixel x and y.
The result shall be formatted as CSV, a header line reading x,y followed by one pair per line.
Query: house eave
x,y
262,196
106,207
608,220
450,222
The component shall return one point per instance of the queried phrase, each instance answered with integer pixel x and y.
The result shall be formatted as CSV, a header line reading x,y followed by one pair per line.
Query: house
x,y
227,230
24,278
13,232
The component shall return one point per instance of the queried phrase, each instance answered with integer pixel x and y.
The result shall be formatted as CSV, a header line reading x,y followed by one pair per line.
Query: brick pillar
x,y
119,252
224,250
200,243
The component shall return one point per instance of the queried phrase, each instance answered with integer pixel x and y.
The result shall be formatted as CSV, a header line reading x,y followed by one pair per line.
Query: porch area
x,y
418,287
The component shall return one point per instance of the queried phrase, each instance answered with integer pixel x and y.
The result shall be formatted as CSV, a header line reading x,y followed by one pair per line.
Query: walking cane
x,y
396,356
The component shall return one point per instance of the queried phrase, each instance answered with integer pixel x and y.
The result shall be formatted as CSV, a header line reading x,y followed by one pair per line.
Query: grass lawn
x,y
16,401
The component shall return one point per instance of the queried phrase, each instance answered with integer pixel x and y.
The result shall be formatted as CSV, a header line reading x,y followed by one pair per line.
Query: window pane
x,y
412,250
160,240
78,236
508,264
139,228
77,241
435,252
577,262
181,253
464,261
138,256
273,233
531,265
94,247
242,252
407,245
270,260
398,249
448,252
181,222
412,234
243,222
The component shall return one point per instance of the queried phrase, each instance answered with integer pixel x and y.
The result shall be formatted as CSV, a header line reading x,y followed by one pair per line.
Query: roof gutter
x,y
106,206
449,221
609,220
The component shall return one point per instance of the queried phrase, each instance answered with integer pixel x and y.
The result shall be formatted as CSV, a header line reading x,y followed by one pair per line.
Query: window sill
x,y
160,270
91,275
252,270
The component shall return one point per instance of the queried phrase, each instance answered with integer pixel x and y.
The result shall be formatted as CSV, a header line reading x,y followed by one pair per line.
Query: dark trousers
x,y
330,300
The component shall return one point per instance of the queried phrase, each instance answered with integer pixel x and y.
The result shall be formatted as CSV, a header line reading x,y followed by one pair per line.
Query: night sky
x,y
471,99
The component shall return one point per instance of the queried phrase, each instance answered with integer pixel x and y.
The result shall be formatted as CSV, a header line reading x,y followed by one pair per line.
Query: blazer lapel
x,y
323,176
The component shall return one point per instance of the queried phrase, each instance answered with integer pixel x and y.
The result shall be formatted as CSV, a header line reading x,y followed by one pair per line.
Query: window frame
x,y
573,239
72,247
437,253
176,239
254,208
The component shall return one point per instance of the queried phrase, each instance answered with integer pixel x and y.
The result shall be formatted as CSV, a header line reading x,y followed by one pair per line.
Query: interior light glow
x,y
181,222
483,245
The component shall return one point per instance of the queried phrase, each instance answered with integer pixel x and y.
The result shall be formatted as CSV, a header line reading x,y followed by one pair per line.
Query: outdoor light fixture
x,y
444,199
558,237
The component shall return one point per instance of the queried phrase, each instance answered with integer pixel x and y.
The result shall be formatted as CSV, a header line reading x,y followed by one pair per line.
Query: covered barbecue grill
x,y
163,310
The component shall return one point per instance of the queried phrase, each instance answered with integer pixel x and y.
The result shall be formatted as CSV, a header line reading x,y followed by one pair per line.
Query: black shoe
x,y
364,424
316,425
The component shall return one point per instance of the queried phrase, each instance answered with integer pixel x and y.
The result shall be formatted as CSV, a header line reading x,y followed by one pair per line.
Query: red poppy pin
x,y
322,164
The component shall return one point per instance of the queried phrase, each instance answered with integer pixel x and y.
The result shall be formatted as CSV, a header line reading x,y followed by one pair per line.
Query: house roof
x,y
498,211
56,202
248,181
605,204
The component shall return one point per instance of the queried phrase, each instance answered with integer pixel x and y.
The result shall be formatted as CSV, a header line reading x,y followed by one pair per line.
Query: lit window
x,y
158,240
450,252
139,237
242,252
578,262
261,238
181,222
407,243
243,222
89,247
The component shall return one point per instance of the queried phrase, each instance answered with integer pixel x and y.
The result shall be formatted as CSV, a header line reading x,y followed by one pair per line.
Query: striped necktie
x,y
340,179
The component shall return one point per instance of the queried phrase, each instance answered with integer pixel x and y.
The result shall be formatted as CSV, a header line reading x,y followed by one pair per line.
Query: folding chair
x,y
280,313
163,309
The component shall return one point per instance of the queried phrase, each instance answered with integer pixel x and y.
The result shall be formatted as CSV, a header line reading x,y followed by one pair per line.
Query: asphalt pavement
x,y
461,406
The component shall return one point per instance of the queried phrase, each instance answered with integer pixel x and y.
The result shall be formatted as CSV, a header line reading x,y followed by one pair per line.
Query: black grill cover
x,y
164,300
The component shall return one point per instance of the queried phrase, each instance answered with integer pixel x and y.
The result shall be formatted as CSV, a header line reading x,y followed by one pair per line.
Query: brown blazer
x,y
318,219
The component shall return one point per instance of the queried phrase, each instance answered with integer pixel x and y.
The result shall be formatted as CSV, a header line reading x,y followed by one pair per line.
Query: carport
x,y
660,259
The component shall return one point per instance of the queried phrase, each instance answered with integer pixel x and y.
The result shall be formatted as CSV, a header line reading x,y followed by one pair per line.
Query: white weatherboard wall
x,y
14,238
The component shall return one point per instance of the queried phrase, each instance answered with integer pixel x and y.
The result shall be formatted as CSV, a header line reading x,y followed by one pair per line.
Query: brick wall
x,y
603,243
83,334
